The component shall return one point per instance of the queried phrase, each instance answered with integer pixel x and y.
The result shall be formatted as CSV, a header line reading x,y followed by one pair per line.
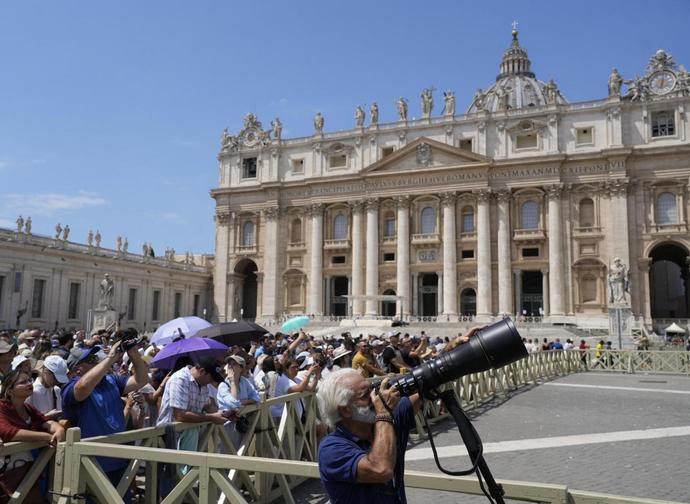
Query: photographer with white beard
x,y
363,460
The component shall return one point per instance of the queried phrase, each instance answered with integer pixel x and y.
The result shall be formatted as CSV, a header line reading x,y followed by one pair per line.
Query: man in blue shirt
x,y
363,460
92,400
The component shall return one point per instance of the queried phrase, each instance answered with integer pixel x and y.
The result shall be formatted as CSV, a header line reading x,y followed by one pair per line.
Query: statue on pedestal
x,y
619,282
448,103
20,224
58,231
89,238
125,246
65,232
105,300
118,244
427,102
318,123
27,225
359,116
277,128
478,99
98,239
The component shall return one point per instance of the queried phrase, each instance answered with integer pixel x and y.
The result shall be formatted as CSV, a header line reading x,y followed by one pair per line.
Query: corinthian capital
x,y
315,210
356,206
503,195
449,198
554,191
372,204
223,218
402,201
271,213
484,195
618,187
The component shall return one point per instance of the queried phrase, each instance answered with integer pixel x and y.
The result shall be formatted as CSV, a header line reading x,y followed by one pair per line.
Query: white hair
x,y
332,393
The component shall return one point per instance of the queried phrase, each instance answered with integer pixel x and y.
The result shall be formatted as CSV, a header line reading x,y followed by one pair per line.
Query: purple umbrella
x,y
195,348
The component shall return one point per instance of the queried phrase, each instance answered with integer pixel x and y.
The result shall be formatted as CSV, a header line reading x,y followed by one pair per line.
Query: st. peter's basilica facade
x,y
522,205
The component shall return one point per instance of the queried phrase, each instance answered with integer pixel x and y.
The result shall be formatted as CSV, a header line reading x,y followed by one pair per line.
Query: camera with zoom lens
x,y
128,337
493,347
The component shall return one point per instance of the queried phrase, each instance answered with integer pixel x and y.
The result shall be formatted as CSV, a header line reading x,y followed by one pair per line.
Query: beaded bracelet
x,y
385,418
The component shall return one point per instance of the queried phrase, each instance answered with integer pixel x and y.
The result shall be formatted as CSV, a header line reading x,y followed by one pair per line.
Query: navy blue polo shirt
x,y
100,414
340,452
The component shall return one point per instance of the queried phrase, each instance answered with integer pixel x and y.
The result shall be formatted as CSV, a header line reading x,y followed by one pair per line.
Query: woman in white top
x,y
288,383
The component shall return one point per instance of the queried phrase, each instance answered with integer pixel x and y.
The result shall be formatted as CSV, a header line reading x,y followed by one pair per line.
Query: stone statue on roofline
x,y
615,83
318,123
427,102
359,116
58,231
448,103
20,224
98,239
277,128
479,99
402,109
374,114
27,225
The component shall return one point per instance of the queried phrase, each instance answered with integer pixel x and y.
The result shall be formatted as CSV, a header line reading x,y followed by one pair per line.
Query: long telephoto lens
x,y
494,346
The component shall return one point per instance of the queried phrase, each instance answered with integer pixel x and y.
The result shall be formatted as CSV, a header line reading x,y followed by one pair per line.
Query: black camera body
x,y
128,337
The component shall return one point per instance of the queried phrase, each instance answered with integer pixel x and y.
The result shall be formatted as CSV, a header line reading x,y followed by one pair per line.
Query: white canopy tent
x,y
675,328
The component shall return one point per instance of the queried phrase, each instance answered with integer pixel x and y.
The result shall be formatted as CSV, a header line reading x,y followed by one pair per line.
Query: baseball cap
x,y
78,355
57,366
17,361
211,366
237,359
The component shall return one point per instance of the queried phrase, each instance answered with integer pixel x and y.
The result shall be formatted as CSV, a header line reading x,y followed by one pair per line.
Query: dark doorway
x,y
247,268
388,307
468,302
532,295
668,282
429,294
338,290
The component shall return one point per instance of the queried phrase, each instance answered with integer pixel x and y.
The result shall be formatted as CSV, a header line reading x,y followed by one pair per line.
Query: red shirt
x,y
11,422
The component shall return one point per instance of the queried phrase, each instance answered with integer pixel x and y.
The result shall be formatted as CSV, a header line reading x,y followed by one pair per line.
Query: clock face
x,y
662,82
250,138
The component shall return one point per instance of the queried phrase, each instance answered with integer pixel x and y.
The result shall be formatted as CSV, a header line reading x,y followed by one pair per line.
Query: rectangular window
x,y
389,230
663,123
338,260
249,167
73,306
156,304
132,305
298,166
178,304
467,254
530,252
37,298
389,257
466,144
528,141
337,161
583,136
387,151
468,222
197,302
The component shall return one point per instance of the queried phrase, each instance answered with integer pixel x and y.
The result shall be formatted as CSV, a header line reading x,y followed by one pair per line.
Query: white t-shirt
x,y
45,399
282,386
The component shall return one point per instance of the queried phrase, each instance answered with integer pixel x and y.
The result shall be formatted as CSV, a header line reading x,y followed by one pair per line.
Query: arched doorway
x,y
429,295
246,268
388,307
468,302
668,282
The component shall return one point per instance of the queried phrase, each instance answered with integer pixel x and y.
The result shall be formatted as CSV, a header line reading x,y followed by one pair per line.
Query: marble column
x,y
644,266
505,287
450,261
357,210
618,190
414,307
545,291
518,292
439,294
372,247
484,253
220,285
556,273
269,298
403,255
315,300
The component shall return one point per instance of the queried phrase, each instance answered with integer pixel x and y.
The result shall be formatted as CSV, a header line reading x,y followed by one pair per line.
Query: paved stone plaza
x,y
619,434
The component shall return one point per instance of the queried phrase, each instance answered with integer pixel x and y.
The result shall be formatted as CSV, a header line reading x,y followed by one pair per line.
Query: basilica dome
x,y
516,87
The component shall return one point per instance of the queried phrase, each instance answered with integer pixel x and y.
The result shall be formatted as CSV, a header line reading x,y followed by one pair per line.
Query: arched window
x,y
428,220
586,213
340,227
589,289
389,225
530,215
666,211
248,234
468,219
296,231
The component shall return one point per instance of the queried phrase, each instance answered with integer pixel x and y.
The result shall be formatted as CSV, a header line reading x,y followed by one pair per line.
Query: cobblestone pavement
x,y
654,463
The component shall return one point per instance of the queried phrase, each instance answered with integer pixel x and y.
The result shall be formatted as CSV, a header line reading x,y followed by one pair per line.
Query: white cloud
x,y
48,204
171,216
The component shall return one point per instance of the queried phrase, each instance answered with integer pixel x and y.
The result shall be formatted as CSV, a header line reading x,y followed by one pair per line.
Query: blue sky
x,y
111,112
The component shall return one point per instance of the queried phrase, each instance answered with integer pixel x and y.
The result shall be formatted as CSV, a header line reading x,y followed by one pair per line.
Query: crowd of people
x,y
104,383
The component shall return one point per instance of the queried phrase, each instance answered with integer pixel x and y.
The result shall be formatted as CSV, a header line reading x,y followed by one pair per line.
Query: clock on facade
x,y
662,82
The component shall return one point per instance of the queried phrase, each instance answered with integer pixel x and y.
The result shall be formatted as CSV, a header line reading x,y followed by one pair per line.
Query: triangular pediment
x,y
423,154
